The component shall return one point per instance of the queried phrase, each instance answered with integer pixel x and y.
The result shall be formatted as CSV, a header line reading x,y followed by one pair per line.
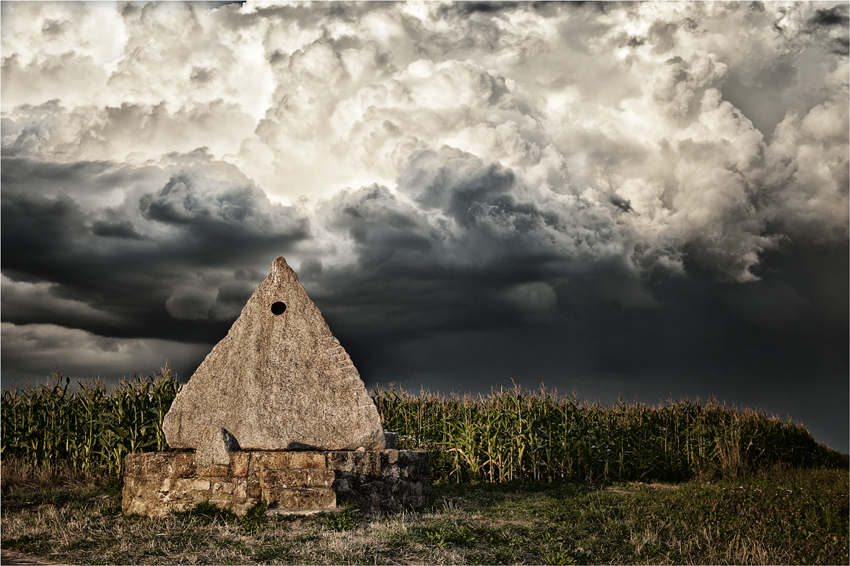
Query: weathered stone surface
x,y
286,460
239,464
289,482
387,481
300,499
216,447
296,478
279,380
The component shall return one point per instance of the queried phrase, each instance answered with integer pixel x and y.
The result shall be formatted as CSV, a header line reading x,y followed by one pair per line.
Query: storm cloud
x,y
640,199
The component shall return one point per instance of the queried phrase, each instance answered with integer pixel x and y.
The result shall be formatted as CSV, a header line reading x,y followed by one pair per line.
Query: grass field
x,y
518,477
781,517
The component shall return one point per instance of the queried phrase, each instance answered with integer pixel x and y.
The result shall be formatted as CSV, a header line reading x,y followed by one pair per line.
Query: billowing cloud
x,y
437,173
116,246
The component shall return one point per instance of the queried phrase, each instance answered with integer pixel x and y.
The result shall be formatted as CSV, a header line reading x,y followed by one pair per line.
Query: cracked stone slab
x,y
279,380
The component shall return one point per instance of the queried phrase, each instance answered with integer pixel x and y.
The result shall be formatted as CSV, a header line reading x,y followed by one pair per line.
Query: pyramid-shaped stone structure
x,y
279,380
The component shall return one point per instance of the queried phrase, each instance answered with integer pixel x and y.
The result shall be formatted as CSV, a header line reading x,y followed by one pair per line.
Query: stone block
x,y
239,463
215,446
300,498
137,486
286,460
182,465
212,471
134,464
223,487
253,487
196,497
368,463
222,500
307,460
389,457
390,471
156,464
349,477
296,478
188,484
279,380
341,461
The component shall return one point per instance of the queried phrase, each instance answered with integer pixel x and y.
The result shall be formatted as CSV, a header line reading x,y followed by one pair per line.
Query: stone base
x,y
288,482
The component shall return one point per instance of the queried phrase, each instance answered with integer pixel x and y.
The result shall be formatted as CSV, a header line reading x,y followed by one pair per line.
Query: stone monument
x,y
276,412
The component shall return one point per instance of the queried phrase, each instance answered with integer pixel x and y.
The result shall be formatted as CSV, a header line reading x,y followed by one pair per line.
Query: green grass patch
x,y
343,519
254,520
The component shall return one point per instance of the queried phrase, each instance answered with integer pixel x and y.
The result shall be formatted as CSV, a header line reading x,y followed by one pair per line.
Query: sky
x,y
637,200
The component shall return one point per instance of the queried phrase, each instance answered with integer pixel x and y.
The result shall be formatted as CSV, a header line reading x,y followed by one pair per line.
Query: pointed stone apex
x,y
279,380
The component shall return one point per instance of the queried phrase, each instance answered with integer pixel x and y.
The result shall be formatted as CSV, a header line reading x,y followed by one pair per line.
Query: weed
x,y
457,536
398,539
559,556
254,520
306,538
342,519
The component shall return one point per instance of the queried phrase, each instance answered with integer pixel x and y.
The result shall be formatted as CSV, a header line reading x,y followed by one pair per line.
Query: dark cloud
x,y
453,181
748,344
115,226
468,251
133,261
469,8
541,197
835,16
622,203
831,26
463,304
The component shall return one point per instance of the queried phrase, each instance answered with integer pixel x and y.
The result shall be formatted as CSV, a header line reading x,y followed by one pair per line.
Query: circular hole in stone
x,y
278,308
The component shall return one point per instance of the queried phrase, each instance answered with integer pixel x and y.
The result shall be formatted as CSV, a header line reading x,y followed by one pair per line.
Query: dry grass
x,y
17,475
786,517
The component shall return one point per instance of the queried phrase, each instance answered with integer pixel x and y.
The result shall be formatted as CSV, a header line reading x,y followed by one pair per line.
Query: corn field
x,y
510,434
87,427
517,434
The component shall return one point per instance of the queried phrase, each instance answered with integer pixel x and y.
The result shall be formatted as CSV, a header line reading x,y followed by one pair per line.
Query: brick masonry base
x,y
288,482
